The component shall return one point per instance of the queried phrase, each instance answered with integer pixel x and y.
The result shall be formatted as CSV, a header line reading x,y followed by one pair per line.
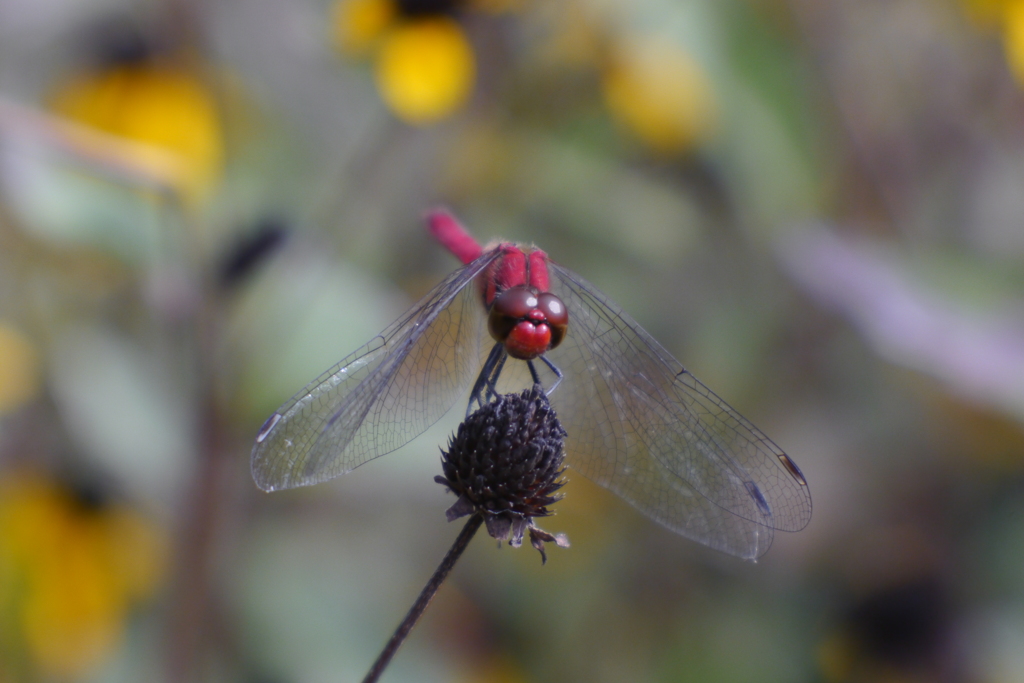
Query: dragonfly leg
x,y
492,382
483,388
533,372
554,369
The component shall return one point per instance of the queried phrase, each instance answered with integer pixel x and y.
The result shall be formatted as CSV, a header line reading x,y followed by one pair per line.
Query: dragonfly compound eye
x,y
528,323
509,308
556,315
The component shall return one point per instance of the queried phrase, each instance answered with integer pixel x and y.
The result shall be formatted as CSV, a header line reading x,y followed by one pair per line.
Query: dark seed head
x,y
418,8
505,463
251,250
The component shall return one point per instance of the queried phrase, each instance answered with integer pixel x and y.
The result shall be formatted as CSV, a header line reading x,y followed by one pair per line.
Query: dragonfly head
x,y
528,322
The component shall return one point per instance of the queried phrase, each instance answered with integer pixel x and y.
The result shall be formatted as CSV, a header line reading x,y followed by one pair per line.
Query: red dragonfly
x,y
638,423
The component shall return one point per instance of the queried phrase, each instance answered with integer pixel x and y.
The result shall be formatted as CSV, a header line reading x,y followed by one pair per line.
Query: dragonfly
x,y
637,422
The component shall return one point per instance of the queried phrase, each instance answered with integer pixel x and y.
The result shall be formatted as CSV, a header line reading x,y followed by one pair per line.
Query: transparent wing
x,y
383,395
639,424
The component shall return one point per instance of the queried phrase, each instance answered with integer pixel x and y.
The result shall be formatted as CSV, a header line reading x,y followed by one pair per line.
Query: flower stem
x,y
426,595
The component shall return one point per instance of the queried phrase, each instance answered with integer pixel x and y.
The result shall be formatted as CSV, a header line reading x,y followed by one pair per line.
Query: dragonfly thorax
x,y
528,322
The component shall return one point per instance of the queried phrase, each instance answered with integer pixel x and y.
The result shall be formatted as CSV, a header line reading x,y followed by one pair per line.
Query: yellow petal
x,y
661,95
72,614
1013,38
19,369
69,573
425,70
31,510
358,24
159,105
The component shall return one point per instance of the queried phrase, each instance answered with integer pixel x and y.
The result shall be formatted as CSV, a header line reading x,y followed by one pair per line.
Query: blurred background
x,y
816,205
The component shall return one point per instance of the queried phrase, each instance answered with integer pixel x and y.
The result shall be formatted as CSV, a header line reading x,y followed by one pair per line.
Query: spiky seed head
x,y
505,463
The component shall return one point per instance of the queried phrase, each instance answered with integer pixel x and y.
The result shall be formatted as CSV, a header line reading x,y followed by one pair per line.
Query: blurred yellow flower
x,y
155,104
1008,17
19,369
426,69
659,93
1013,38
69,572
358,24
